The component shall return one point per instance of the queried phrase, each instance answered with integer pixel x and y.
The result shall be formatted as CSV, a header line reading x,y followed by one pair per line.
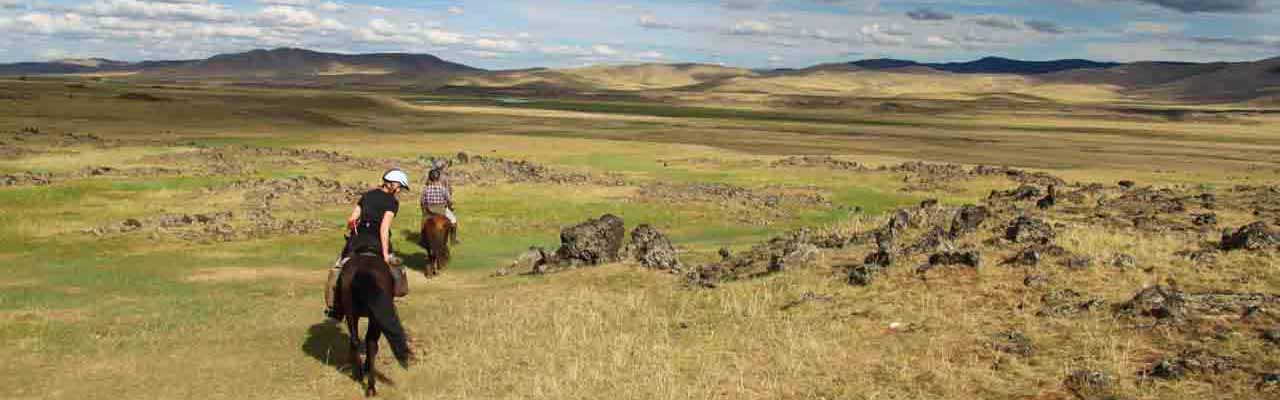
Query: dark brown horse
x,y
435,238
365,289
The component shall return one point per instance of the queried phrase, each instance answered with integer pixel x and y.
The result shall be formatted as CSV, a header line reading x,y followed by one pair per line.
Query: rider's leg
x,y
331,287
453,225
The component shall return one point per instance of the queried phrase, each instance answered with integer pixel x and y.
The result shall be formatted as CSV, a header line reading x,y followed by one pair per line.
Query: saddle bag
x,y
401,280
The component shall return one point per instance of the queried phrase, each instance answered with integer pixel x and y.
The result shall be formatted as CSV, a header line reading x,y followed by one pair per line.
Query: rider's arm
x,y
384,234
355,216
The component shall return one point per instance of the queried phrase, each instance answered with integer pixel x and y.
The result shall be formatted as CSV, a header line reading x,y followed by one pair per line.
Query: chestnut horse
x,y
365,289
435,238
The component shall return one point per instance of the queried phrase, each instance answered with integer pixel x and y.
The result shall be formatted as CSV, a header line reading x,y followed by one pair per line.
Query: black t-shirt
x,y
373,205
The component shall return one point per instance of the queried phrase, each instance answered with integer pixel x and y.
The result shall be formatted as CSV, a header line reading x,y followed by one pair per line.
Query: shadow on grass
x,y
327,343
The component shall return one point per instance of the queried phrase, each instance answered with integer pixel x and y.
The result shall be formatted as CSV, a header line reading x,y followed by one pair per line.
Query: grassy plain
x,y
145,314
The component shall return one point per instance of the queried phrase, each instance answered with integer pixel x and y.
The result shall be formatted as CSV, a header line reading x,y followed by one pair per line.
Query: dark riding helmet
x,y
434,175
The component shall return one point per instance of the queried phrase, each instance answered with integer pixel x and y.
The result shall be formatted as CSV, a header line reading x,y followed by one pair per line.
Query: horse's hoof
x,y
371,392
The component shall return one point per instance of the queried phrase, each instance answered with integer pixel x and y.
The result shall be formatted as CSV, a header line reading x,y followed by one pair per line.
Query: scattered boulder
x,y
531,260
1206,219
1029,230
1021,193
1013,342
1031,256
1127,184
1066,303
725,254
594,242
862,275
652,249
1254,236
1122,260
970,258
1191,361
1272,335
1159,302
1091,385
968,219
1048,200
1078,262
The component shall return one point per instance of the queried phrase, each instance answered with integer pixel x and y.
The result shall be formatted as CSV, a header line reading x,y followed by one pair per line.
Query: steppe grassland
x,y
140,317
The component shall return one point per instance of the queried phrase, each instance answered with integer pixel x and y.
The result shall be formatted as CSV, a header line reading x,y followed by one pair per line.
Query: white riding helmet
x,y
397,176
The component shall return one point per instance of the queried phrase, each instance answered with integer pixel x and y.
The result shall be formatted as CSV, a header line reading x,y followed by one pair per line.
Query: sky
x,y
565,33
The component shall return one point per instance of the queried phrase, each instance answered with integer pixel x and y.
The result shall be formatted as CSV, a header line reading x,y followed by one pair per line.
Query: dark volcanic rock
x,y
1272,336
971,258
593,242
1122,260
1156,302
1190,362
1029,230
1013,342
1066,303
1206,219
1091,385
968,219
1255,236
1127,184
532,260
652,249
863,275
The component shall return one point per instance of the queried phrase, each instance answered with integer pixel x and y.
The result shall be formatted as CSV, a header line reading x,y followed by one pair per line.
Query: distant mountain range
x,y
1072,79
987,65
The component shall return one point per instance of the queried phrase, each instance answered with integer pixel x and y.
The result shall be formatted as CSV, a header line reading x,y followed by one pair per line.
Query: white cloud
x,y
330,6
159,10
751,27
564,50
295,3
650,55
290,16
938,42
496,44
648,20
456,10
604,50
878,34
483,54
49,24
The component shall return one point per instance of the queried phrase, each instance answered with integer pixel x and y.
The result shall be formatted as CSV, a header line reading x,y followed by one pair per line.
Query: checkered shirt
x,y
435,193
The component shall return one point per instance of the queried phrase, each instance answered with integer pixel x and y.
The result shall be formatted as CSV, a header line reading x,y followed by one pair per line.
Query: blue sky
x,y
559,33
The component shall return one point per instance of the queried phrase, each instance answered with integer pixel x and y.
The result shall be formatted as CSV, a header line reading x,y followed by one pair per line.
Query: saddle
x,y
398,277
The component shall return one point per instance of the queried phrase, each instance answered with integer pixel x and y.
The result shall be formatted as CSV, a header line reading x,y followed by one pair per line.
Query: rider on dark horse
x,y
369,230
437,198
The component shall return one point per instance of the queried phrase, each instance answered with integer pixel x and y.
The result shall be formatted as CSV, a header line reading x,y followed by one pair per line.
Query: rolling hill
x,y
290,62
1063,80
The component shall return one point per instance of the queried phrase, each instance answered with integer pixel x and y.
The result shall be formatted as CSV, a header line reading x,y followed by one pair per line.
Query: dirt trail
x,y
517,112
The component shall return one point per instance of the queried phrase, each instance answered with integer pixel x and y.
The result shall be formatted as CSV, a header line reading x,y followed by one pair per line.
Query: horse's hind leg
x,y
371,339
353,329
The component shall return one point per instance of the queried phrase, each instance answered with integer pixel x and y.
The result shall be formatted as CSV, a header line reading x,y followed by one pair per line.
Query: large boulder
x,y
1029,230
1157,302
1255,236
968,219
594,242
532,261
652,249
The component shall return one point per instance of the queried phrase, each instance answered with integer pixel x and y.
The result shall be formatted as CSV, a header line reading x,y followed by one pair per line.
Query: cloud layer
x,y
752,33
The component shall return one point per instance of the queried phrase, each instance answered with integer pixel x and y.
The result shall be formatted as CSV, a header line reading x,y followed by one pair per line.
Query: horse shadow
x,y
328,343
418,260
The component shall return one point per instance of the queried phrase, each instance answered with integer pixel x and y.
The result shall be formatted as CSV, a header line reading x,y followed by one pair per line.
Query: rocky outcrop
x,y
594,242
652,249
1255,236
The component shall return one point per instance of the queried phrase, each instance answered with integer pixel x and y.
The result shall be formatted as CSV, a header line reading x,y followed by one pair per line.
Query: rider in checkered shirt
x,y
437,198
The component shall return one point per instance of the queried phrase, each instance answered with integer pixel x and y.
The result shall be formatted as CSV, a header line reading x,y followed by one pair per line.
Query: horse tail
x,y
440,242
382,311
